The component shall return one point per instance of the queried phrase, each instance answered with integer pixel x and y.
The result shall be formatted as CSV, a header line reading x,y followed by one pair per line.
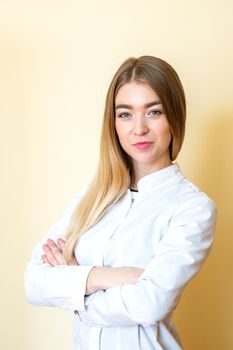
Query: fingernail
x,y
52,244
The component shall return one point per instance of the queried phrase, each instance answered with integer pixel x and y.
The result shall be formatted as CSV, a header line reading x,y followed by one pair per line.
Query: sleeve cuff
x,y
79,287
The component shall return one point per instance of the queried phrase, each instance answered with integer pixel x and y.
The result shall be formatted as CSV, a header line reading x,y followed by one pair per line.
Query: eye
x,y
124,115
155,112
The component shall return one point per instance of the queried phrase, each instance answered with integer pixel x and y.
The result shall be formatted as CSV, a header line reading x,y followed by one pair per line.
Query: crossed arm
x,y
107,296
99,278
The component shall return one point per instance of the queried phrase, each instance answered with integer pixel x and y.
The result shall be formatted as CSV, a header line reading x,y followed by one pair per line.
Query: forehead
x,y
136,93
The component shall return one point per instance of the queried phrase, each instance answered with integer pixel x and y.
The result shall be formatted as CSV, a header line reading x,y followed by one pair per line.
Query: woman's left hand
x,y
54,253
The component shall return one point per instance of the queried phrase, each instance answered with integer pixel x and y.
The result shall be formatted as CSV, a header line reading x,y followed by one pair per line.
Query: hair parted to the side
x,y
113,175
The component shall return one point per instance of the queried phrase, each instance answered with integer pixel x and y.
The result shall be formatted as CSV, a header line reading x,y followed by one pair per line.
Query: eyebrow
x,y
146,105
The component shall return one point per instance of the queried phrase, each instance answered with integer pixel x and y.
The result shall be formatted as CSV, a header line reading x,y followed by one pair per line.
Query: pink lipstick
x,y
142,145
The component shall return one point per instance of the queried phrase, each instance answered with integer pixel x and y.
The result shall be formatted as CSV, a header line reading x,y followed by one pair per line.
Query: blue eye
x,y
124,115
155,112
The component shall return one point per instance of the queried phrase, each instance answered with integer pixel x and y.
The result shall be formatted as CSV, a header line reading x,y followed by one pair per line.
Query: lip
x,y
142,145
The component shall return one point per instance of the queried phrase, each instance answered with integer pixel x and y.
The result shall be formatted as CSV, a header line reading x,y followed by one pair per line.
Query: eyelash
x,y
125,115
156,112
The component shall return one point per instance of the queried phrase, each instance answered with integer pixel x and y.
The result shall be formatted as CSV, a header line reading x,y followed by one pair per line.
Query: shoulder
x,y
188,192
193,206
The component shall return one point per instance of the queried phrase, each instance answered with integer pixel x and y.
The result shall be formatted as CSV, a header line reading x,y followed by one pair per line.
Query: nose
x,y
140,127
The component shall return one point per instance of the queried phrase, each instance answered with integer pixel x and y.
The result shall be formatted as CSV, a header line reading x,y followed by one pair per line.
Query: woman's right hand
x,y
101,277
54,253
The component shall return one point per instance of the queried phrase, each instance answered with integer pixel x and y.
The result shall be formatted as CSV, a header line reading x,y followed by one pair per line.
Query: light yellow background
x,y
57,58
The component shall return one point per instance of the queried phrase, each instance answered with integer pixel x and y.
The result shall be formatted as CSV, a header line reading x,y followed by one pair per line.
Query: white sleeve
x,y
178,257
61,286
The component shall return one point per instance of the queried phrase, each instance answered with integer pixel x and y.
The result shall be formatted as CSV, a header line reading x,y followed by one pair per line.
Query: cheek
x,y
164,132
117,128
121,132
167,134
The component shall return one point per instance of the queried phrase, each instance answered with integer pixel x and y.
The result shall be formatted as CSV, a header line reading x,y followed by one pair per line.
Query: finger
x,y
57,253
50,257
62,244
45,259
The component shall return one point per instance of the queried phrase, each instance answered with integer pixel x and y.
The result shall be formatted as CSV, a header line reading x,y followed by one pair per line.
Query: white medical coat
x,y
167,230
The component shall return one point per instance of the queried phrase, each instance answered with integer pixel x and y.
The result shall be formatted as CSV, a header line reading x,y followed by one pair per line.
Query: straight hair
x,y
115,171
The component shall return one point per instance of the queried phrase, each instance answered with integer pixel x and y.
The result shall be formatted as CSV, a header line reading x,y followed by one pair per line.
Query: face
x,y
142,127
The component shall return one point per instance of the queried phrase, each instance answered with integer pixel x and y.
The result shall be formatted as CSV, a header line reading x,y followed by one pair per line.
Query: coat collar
x,y
170,174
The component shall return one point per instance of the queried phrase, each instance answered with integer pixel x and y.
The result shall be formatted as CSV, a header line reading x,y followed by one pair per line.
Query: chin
x,y
152,161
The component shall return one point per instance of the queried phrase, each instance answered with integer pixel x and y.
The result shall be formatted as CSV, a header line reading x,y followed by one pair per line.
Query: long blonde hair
x,y
114,171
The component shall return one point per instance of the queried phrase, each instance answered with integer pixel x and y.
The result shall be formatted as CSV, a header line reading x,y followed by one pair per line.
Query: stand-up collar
x,y
171,173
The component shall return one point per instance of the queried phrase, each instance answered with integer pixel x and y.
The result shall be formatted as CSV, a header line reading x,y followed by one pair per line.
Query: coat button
x,y
76,312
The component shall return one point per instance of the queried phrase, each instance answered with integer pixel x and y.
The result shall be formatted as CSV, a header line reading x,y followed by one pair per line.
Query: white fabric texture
x,y
168,230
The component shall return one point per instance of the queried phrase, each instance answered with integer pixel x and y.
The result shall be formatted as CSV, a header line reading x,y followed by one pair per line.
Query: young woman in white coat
x,y
127,245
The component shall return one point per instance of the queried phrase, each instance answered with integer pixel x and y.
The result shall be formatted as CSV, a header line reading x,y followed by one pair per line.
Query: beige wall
x,y
56,60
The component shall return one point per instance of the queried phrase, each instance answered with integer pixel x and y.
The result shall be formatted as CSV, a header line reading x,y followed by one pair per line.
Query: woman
x,y
126,247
